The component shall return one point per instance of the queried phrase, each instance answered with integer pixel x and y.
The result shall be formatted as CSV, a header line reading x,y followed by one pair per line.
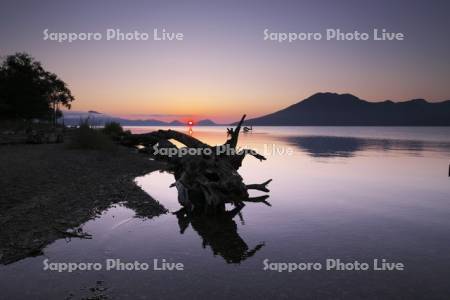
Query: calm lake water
x,y
350,193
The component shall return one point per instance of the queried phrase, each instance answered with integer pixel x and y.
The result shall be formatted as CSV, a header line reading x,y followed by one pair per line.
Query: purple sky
x,y
223,67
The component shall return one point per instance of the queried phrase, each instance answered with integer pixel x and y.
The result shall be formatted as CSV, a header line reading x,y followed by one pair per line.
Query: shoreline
x,y
49,191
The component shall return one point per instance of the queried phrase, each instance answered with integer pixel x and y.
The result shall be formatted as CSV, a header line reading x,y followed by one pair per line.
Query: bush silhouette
x,y
27,91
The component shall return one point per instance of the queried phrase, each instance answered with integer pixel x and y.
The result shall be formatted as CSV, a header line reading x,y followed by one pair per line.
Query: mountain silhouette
x,y
330,109
97,118
206,122
176,123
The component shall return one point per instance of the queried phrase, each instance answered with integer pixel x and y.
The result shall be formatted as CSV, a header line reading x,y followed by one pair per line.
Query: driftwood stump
x,y
206,176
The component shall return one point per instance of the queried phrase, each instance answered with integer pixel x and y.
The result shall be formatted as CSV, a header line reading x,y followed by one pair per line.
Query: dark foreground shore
x,y
48,191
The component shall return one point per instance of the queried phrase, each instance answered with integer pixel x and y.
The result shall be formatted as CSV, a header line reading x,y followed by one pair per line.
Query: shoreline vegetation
x,y
50,190
54,179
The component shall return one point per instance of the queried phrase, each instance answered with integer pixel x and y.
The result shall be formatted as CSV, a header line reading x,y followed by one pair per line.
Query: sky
x,y
223,67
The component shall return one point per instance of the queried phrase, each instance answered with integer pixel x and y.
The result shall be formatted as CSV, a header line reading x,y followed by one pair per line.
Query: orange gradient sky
x,y
223,67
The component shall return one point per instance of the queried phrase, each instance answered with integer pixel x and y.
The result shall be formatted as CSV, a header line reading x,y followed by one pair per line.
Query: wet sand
x,y
48,191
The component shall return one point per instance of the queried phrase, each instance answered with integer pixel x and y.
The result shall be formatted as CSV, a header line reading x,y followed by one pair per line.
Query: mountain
x,y
206,122
176,123
97,118
330,109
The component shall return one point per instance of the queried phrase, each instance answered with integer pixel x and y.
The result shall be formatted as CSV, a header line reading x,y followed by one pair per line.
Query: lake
x,y
338,193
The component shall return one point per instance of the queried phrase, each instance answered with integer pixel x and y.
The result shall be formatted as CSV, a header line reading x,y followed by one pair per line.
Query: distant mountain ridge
x,y
206,122
97,118
331,109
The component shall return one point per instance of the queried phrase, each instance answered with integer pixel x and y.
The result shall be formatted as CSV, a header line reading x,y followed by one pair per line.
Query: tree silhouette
x,y
27,91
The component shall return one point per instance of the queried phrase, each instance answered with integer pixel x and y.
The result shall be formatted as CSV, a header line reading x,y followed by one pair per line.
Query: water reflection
x,y
28,229
335,146
26,232
374,206
219,233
